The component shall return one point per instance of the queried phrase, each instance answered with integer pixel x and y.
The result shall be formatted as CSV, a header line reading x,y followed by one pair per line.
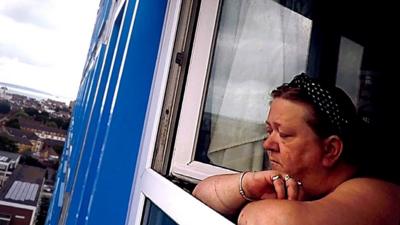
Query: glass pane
x,y
152,215
259,45
349,66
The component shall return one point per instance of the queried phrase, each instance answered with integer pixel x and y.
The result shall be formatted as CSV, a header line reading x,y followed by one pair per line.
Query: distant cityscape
x,y
31,92
33,129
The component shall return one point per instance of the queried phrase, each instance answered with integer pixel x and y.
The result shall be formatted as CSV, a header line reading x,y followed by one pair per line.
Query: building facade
x,y
8,162
20,196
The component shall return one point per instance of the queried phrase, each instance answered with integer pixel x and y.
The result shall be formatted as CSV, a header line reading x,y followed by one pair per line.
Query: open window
x,y
241,51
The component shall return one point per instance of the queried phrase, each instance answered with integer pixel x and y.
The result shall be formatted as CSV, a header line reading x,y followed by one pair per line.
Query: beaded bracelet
x,y
241,191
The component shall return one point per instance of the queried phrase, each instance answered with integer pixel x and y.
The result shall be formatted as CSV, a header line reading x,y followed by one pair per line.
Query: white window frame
x,y
183,164
179,205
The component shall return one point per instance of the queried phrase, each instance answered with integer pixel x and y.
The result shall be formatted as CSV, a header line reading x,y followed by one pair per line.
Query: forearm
x,y
221,193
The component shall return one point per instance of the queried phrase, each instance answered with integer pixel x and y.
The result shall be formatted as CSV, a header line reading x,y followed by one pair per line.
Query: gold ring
x,y
276,177
287,177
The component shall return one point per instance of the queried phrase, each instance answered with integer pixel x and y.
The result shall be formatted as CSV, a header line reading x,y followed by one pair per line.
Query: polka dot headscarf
x,y
323,98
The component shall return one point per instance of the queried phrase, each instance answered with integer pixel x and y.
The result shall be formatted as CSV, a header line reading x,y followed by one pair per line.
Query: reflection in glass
x,y
349,67
152,215
259,45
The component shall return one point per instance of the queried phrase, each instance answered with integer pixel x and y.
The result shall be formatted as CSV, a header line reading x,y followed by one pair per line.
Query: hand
x,y
293,189
271,184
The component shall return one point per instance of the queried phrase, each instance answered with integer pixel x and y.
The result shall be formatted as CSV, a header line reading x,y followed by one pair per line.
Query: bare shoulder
x,y
375,189
364,201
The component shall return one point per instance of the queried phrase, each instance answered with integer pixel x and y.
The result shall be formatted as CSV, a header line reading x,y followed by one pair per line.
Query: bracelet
x,y
241,191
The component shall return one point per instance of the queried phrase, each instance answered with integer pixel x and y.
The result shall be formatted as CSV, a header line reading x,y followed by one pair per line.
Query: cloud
x,y
43,45
30,44
12,52
57,81
37,12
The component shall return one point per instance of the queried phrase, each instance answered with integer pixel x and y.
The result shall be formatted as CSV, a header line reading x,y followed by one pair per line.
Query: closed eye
x,y
284,135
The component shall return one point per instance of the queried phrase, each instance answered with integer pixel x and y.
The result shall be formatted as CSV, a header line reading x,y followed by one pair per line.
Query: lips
x,y
274,161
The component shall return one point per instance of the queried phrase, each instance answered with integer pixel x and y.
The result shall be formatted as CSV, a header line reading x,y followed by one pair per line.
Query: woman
x,y
315,175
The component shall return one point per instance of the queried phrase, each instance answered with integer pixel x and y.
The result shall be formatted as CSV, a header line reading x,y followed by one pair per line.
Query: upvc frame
x,y
116,8
183,164
147,183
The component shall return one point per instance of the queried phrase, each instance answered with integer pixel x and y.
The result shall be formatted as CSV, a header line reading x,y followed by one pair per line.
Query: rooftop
x,y
39,126
9,155
21,133
23,186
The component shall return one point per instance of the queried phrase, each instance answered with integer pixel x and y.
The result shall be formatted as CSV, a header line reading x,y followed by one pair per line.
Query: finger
x,y
291,187
268,195
301,191
279,186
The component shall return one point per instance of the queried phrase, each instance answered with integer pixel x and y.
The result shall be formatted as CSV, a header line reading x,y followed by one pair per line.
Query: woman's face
x,y
292,145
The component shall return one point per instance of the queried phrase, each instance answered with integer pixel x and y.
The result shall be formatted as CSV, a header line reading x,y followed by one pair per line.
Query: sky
x,y
44,43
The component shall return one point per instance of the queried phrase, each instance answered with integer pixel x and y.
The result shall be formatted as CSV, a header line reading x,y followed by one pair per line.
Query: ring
x,y
287,177
299,183
276,177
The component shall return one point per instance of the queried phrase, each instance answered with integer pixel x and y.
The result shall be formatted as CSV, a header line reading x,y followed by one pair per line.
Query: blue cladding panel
x,y
80,131
110,198
57,200
96,137
54,211
102,15
101,107
108,118
101,112
85,154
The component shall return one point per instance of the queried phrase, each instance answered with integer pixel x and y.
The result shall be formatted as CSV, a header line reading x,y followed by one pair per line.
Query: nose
x,y
270,143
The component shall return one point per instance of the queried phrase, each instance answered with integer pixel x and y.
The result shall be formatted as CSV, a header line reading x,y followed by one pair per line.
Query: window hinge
x,y
179,58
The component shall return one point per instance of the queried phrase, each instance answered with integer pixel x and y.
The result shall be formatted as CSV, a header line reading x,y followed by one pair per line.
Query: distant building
x,y
8,162
55,108
4,94
71,105
26,140
23,144
54,104
20,196
18,100
47,154
43,131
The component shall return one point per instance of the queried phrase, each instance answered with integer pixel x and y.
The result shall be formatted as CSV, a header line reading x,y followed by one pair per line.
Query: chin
x,y
275,166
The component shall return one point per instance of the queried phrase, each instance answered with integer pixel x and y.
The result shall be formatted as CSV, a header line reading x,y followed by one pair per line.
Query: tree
x,y
14,123
45,114
42,117
57,121
31,111
21,113
61,123
51,124
65,125
5,106
7,145
27,159
58,149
